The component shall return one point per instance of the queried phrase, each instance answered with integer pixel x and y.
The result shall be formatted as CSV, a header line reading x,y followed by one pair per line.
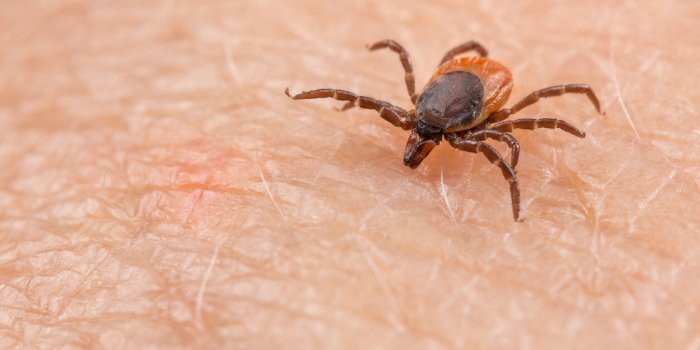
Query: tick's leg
x,y
531,124
393,114
466,47
514,145
547,92
496,159
405,61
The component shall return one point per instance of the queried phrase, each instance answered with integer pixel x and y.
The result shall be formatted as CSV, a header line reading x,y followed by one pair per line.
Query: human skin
x,y
158,189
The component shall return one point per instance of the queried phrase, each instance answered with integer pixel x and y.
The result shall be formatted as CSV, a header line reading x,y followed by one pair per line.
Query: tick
x,y
462,103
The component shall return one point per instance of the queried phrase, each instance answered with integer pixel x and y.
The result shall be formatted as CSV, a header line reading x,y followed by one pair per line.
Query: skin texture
x,y
159,190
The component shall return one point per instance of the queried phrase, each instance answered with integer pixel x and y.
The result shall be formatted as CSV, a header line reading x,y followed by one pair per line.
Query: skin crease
x,y
159,190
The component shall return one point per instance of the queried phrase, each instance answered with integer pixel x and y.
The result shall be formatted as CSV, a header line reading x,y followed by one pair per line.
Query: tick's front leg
x,y
397,116
495,158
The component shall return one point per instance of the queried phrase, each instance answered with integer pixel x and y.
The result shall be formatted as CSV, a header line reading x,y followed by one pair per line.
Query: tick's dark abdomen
x,y
455,98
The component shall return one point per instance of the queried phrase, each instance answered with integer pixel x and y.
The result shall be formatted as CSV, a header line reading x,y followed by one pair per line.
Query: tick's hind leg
x,y
544,93
531,124
466,47
393,114
495,158
405,61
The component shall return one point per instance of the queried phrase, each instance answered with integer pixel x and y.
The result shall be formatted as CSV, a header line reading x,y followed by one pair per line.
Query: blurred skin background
x,y
157,189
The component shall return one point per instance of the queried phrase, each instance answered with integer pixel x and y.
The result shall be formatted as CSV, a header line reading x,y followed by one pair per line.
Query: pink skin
x,y
157,190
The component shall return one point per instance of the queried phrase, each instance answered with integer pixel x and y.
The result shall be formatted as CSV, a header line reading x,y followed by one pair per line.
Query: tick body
x,y
462,103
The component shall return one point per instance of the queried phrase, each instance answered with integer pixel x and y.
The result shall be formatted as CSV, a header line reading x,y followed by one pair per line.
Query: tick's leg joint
x,y
497,135
464,48
531,124
397,116
551,91
495,158
405,62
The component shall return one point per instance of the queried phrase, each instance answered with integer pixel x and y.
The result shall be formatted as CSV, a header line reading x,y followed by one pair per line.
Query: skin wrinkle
x,y
202,288
235,75
130,147
443,191
269,194
326,160
619,92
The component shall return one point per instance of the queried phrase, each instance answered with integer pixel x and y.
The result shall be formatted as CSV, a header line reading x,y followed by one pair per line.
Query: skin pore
x,y
158,189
